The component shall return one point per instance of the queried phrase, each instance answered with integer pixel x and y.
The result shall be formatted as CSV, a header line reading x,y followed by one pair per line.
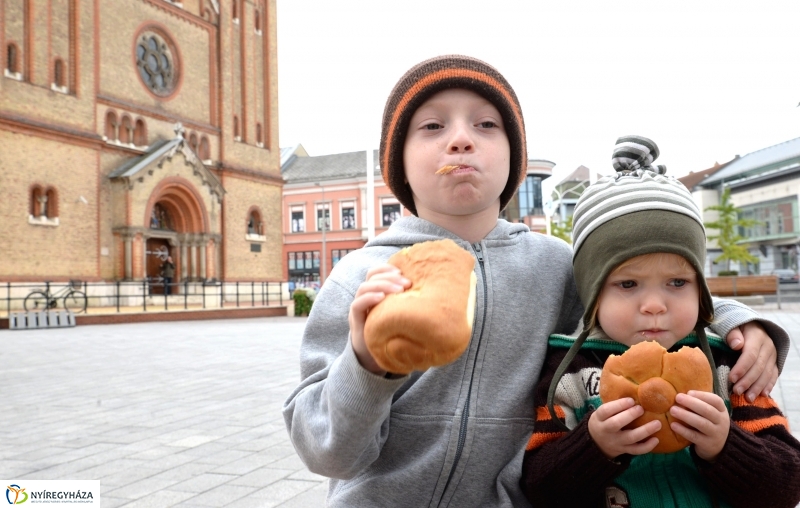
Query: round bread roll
x,y
430,323
653,377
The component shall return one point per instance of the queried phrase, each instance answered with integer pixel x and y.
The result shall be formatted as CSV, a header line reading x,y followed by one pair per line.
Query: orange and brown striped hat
x,y
433,76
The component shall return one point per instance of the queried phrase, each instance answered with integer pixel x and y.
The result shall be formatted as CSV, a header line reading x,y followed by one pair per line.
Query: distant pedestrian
x,y
167,272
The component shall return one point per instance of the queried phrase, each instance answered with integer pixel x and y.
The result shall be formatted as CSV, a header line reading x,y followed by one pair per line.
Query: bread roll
x,y
653,377
430,323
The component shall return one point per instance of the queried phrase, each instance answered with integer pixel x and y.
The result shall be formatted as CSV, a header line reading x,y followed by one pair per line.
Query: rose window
x,y
156,63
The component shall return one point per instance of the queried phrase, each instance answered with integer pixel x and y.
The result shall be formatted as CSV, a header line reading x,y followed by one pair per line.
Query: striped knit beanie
x,y
637,211
433,76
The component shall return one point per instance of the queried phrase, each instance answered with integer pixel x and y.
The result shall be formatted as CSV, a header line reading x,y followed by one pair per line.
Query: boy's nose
x,y
653,304
460,141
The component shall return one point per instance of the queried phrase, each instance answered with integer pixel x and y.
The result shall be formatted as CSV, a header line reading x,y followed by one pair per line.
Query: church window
x,y
259,139
44,203
111,126
160,219
58,73
254,223
156,62
258,22
126,130
12,58
204,151
140,133
235,11
236,133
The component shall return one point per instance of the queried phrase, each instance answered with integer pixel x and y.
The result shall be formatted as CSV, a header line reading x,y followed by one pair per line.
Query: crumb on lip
x,y
446,169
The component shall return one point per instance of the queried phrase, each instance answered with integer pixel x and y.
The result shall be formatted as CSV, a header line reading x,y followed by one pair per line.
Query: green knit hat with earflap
x,y
639,210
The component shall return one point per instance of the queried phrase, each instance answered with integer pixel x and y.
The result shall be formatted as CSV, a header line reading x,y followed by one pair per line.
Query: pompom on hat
x,y
428,78
637,211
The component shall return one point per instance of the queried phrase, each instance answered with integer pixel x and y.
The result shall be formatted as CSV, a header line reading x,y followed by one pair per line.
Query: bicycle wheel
x,y
36,300
75,301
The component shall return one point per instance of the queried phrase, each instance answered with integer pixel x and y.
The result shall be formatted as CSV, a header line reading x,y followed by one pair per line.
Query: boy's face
x,y
456,127
651,297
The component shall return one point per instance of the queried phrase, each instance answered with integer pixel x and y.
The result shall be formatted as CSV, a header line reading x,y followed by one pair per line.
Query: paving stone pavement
x,y
184,414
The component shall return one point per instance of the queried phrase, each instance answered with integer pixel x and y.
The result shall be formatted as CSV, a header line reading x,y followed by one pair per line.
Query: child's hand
x,y
381,280
606,428
707,422
756,370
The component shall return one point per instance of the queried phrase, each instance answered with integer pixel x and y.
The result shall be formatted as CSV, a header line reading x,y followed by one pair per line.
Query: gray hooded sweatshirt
x,y
453,435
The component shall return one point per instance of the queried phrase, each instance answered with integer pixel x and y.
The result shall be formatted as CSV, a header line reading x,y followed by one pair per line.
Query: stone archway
x,y
176,219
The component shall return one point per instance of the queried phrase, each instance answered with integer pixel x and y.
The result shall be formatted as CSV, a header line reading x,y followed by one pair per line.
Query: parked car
x,y
785,275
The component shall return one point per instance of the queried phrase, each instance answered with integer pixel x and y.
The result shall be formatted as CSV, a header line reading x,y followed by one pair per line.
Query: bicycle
x,y
72,299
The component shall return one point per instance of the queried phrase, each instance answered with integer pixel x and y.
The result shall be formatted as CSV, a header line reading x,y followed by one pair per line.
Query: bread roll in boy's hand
x,y
430,323
653,377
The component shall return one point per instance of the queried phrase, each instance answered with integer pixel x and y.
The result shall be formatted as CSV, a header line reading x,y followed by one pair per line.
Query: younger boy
x,y
639,257
452,435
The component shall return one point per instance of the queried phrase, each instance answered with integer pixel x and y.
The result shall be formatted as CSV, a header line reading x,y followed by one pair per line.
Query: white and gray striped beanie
x,y
639,210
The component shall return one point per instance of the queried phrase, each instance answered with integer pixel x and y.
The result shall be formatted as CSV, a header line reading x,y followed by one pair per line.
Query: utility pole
x,y
323,274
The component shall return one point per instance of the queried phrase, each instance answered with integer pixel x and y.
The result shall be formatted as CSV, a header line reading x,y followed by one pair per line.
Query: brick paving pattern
x,y
183,413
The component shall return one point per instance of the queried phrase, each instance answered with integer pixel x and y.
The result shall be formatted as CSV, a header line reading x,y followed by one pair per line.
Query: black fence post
x,y
117,295
221,294
252,293
203,287
8,299
237,293
144,294
185,294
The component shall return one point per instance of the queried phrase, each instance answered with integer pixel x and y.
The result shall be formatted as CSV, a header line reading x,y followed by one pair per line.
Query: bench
x,y
745,285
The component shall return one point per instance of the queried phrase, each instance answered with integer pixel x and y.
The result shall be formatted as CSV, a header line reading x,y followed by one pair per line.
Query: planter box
x,y
745,285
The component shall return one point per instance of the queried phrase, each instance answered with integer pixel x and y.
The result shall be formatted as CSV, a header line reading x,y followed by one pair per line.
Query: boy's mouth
x,y
652,333
453,168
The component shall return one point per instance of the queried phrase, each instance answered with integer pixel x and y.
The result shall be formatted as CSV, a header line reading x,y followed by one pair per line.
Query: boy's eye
x,y
488,124
678,283
432,126
627,284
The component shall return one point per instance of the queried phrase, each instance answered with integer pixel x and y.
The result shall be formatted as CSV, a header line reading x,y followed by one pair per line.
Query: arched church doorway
x,y
177,227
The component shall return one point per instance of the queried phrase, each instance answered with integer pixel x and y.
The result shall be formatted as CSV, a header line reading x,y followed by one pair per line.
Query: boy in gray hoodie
x,y
453,435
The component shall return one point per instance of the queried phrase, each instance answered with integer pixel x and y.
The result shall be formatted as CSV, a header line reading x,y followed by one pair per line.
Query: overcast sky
x,y
706,80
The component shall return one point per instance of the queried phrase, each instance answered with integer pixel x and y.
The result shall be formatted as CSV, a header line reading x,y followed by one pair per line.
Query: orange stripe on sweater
x,y
761,401
754,426
543,414
541,438
440,75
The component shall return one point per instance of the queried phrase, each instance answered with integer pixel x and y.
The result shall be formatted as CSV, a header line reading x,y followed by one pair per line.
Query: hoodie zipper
x,y
462,432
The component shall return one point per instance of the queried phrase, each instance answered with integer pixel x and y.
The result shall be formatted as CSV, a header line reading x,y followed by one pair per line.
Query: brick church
x,y
135,130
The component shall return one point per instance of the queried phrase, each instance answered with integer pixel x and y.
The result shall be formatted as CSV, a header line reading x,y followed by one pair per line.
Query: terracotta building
x,y
135,130
329,212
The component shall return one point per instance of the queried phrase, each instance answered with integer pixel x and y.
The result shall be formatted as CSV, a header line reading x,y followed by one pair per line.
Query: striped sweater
x,y
759,465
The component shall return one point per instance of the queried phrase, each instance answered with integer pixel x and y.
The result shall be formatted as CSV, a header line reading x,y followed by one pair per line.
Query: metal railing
x,y
147,295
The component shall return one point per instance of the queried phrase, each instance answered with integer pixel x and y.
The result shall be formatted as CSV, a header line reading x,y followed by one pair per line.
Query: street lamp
x,y
324,228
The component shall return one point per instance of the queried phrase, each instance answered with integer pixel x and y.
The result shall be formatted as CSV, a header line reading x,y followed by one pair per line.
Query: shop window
x,y
297,215
390,212
323,217
348,216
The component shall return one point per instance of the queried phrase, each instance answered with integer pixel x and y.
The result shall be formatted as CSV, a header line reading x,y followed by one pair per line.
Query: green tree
x,y
564,232
728,237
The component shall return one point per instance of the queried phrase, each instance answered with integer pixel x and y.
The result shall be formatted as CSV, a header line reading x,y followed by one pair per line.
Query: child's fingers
x,y
610,409
707,405
641,433
642,447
